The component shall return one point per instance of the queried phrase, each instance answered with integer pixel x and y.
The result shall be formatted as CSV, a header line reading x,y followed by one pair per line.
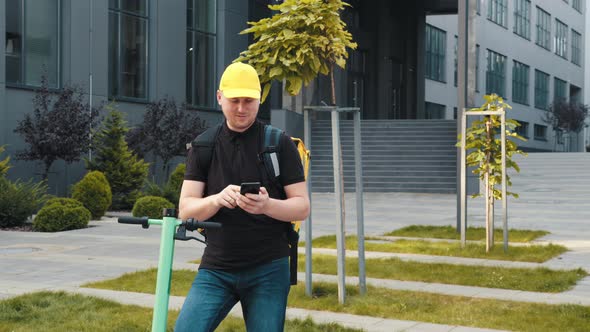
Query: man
x,y
246,259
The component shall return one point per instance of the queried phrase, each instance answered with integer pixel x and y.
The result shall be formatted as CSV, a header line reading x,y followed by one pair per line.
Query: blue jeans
x,y
262,291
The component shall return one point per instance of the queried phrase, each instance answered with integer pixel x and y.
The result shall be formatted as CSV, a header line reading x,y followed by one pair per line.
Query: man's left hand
x,y
254,203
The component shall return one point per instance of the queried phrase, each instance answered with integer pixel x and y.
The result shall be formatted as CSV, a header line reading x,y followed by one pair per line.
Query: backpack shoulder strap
x,y
270,159
204,145
271,137
271,151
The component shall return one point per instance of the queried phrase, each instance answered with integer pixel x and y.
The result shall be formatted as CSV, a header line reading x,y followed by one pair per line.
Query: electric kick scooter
x,y
172,229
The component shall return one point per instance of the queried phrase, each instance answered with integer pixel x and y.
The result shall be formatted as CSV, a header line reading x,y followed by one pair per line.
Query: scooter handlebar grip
x,y
192,225
143,221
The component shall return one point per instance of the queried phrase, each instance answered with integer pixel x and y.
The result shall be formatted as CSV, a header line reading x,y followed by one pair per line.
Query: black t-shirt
x,y
245,240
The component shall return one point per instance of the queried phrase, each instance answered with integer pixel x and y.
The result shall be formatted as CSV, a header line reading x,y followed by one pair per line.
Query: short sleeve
x,y
290,163
193,172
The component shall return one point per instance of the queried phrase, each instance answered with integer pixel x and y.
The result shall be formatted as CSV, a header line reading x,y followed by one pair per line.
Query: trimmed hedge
x,y
64,201
151,206
61,214
94,192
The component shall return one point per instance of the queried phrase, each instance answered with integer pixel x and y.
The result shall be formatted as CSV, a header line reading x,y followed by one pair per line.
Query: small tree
x,y
4,164
165,130
57,129
569,117
303,39
125,172
486,156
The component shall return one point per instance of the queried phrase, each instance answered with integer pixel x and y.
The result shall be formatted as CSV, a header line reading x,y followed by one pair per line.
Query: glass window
x,y
543,29
434,111
559,90
540,132
576,48
523,129
498,12
577,4
435,53
560,40
520,83
522,18
128,49
200,53
496,73
32,42
541,90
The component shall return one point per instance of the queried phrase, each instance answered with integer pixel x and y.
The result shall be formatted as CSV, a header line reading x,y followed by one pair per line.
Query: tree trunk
x,y
46,171
332,83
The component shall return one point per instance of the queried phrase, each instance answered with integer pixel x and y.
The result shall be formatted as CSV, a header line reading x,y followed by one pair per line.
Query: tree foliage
x,y
483,137
165,130
58,128
303,39
123,169
4,164
567,116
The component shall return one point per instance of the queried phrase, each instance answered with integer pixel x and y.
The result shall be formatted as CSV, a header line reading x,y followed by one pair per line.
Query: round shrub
x,y
177,177
94,192
151,206
64,201
58,217
174,184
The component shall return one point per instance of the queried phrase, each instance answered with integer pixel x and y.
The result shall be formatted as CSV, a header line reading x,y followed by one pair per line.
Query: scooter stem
x,y
160,318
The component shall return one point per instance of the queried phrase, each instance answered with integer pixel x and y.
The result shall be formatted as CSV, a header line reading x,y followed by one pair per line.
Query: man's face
x,y
240,112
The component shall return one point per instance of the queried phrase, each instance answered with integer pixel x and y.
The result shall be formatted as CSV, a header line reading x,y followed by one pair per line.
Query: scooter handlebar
x,y
143,221
192,224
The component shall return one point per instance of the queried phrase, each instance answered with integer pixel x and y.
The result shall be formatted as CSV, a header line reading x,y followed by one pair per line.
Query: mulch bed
x,y
22,228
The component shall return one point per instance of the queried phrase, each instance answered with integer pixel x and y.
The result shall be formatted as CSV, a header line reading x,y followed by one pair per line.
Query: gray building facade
x,y
530,52
136,52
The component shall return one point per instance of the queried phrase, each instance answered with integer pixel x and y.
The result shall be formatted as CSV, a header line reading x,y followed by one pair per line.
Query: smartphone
x,y
250,188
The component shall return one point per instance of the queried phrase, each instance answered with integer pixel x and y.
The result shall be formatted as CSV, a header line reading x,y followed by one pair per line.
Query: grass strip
x,y
532,253
409,305
533,280
58,312
472,233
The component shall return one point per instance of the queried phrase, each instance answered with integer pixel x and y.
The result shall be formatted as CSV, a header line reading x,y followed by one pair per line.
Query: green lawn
x,y
534,280
407,305
532,253
58,312
472,233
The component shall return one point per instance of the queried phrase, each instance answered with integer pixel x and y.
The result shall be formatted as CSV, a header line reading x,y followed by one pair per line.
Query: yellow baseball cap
x,y
240,80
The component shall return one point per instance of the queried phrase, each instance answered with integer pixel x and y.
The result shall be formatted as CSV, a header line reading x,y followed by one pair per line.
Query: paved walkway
x,y
66,260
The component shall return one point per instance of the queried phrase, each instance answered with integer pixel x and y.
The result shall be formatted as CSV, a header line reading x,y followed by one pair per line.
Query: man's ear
x,y
219,95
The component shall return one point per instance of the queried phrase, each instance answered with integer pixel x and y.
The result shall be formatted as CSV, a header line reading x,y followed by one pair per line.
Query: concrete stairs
x,y
416,156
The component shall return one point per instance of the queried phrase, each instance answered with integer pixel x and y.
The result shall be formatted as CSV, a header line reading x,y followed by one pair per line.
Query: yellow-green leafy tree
x,y
302,39
483,139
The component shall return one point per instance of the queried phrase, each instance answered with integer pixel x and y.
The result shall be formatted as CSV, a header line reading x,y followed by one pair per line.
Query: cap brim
x,y
241,93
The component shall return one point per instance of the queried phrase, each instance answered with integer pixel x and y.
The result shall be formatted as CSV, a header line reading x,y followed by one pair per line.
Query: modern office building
x,y
530,52
136,52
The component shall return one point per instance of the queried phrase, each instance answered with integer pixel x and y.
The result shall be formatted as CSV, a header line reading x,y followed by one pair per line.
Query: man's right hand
x,y
228,197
